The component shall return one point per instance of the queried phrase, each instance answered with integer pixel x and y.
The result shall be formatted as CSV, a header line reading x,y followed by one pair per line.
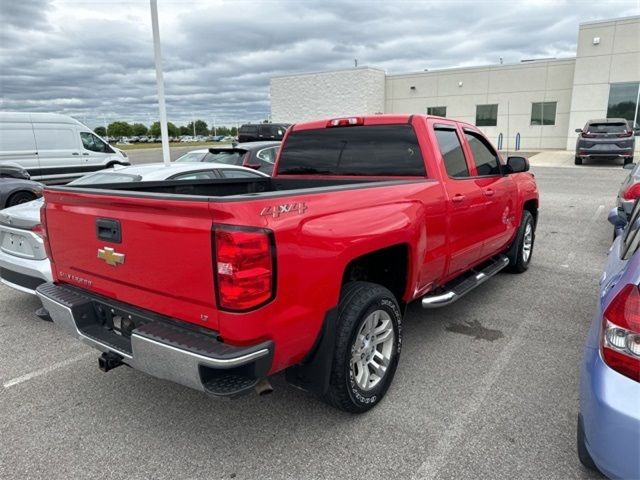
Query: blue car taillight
x,y
621,333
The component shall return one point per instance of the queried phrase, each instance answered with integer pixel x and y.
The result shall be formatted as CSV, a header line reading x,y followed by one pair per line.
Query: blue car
x,y
609,418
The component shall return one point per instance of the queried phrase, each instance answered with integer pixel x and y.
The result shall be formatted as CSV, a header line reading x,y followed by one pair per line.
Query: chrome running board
x,y
465,286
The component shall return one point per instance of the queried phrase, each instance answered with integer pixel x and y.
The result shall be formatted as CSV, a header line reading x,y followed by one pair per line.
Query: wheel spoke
x,y
363,380
383,337
385,325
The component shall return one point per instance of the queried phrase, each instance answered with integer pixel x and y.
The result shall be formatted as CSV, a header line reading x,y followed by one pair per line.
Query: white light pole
x,y
164,132
193,123
214,127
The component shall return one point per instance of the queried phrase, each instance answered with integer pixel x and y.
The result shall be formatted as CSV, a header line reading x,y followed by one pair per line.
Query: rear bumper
x,y
611,417
160,346
605,152
24,274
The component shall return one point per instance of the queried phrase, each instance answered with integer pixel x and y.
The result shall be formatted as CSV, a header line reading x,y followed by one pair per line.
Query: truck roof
x,y
381,119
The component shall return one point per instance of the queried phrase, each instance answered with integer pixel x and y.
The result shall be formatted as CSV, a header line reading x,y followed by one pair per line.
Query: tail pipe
x,y
264,387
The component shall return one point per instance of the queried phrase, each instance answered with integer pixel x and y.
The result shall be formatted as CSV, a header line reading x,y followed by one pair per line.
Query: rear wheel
x,y
628,160
20,197
577,161
368,343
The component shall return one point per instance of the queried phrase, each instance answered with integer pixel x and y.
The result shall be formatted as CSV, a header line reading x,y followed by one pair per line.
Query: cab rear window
x,y
384,150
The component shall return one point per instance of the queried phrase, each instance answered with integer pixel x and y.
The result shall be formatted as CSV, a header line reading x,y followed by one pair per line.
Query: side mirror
x,y
517,164
578,130
617,218
629,166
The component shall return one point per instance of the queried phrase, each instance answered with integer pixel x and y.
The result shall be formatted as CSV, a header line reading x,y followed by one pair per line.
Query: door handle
x,y
489,192
75,153
85,153
458,198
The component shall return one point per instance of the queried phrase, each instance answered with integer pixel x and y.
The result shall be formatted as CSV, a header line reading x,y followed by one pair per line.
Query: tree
x,y
100,131
119,129
154,130
201,128
139,129
184,130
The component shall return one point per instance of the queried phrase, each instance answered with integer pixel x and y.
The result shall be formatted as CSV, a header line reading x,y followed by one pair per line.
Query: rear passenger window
x,y
631,239
452,154
484,157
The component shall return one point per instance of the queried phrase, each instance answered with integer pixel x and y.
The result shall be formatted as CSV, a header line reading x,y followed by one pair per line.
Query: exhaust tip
x,y
264,387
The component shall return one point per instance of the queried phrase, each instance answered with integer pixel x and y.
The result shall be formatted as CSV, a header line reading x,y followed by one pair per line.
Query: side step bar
x,y
478,278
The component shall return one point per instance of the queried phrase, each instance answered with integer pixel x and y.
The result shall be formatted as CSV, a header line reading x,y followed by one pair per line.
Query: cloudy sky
x,y
94,59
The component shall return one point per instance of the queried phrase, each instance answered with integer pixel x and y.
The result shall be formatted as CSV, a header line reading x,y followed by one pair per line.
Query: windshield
x,y
228,156
190,157
106,177
607,128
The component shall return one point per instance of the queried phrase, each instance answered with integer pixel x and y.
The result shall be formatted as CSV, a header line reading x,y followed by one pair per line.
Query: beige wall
x,y
616,58
580,86
513,87
298,98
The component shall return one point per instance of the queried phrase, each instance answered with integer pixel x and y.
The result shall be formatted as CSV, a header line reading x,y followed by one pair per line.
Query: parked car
x,y
262,131
218,285
23,261
629,190
605,138
608,432
257,155
16,188
52,146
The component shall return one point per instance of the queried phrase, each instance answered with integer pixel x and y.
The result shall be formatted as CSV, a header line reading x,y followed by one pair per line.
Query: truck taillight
x,y
43,231
244,267
621,333
632,193
345,122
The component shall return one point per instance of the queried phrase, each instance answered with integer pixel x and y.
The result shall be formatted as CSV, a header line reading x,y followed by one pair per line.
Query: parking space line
x,y
45,370
458,430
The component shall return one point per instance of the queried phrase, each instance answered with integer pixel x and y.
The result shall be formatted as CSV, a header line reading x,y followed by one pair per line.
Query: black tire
x,y
358,301
20,197
517,261
583,453
577,161
629,160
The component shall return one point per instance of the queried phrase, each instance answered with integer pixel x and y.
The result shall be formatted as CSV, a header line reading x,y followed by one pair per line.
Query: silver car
x,y
23,261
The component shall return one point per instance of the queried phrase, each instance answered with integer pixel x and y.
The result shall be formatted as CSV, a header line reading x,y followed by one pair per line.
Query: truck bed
x,y
234,189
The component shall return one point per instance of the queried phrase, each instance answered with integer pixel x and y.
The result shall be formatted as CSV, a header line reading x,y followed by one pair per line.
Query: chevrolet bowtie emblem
x,y
110,256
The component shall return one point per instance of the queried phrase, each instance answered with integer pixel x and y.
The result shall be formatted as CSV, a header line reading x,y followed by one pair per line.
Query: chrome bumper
x,y
162,349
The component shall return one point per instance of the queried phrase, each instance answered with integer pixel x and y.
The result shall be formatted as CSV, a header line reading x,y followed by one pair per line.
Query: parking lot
x,y
486,388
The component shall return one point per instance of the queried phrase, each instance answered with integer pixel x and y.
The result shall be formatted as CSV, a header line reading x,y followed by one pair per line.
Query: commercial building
x,y
537,103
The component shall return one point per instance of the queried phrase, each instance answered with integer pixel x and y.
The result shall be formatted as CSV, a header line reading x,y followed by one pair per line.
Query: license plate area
x,y
16,244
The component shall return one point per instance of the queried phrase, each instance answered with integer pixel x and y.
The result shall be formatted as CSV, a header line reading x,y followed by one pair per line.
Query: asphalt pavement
x,y
486,388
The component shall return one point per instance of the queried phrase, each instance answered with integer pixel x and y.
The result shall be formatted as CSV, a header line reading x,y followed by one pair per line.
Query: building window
x,y
437,111
486,115
623,101
543,113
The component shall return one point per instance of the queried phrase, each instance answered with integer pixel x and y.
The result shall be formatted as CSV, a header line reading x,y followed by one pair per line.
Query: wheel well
x,y
532,207
10,197
387,267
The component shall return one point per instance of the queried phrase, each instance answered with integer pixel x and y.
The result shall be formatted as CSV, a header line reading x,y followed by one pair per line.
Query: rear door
x,y
499,191
466,201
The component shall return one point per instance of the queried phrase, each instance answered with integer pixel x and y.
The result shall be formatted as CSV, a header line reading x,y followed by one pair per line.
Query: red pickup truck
x,y
218,284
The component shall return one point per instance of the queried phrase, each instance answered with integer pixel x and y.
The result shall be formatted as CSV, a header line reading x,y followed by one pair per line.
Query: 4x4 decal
x,y
276,210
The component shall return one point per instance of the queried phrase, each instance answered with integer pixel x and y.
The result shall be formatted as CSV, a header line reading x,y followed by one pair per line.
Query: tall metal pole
x,y
193,122
164,132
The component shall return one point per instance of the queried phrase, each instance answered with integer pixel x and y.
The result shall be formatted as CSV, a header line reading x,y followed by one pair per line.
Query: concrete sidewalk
x,y
565,158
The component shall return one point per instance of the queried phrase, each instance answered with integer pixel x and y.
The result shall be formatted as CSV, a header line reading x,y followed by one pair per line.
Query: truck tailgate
x,y
157,239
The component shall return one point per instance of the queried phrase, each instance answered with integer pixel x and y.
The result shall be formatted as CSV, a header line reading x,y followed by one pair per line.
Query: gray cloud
x,y
94,60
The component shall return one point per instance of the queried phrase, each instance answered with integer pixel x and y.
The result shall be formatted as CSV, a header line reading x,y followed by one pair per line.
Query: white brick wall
x,y
298,98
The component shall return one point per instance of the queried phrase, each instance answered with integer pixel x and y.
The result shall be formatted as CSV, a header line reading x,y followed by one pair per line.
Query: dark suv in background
x,y
254,132
605,138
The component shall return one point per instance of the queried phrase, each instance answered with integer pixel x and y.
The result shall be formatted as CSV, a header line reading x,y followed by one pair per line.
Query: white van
x,y
52,146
